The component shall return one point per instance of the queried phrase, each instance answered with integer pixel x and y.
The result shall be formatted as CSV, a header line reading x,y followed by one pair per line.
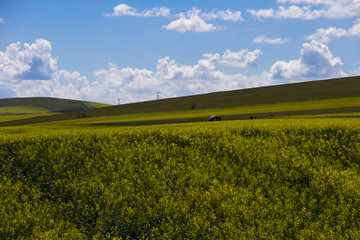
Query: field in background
x,y
317,97
35,105
342,105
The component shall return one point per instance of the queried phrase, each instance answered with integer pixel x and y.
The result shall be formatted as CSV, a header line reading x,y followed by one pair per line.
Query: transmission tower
x,y
158,95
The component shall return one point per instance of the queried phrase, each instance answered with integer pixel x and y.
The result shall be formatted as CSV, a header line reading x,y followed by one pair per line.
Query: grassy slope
x,y
324,94
23,110
44,105
242,112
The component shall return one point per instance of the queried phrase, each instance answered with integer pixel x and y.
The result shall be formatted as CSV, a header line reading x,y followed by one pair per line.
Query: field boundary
x,y
265,115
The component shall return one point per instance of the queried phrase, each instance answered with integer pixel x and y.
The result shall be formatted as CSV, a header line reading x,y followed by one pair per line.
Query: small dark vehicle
x,y
214,118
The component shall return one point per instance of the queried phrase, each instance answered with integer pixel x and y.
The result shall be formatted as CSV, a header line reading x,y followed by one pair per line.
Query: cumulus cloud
x,y
241,59
172,78
308,9
355,29
2,21
194,20
190,24
32,63
18,70
126,10
326,35
264,39
355,72
316,61
32,71
227,15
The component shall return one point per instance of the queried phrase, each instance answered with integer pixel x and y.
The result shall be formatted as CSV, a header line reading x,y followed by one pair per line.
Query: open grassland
x,y
22,110
263,179
8,118
243,112
9,106
338,105
297,92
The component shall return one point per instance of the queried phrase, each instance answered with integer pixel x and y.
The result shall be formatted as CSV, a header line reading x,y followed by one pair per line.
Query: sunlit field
x,y
273,178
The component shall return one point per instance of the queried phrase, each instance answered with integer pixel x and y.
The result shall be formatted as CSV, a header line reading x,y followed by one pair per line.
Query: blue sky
x,y
104,50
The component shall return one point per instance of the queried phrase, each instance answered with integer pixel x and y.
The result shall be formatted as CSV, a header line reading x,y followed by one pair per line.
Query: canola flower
x,y
212,181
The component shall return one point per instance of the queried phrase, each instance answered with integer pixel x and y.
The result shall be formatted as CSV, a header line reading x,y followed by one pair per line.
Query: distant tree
x,y
193,106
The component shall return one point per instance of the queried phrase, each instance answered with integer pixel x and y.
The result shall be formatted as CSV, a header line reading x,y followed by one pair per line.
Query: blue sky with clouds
x,y
104,50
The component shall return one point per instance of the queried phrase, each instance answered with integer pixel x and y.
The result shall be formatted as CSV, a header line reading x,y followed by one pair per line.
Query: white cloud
x,y
2,21
316,61
76,88
241,59
32,63
130,84
191,24
326,35
32,71
355,72
173,79
306,9
227,15
194,20
293,12
355,29
262,13
264,39
126,10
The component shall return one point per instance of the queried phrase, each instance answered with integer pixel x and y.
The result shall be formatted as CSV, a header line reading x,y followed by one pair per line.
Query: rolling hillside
x,y
333,90
31,105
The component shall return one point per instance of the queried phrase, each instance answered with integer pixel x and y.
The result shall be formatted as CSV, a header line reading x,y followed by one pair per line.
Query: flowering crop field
x,y
261,179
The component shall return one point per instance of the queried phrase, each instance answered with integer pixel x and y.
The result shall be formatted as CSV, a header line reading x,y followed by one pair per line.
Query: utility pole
x,y
158,95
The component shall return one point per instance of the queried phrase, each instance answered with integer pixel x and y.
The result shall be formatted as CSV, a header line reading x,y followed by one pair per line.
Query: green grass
x,y
265,109
44,105
241,112
297,92
23,110
22,116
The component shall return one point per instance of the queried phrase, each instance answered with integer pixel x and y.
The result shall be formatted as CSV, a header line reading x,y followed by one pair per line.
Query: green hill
x,y
305,91
332,90
31,105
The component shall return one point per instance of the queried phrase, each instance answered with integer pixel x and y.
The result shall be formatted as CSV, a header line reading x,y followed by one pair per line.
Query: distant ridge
x,y
304,91
44,105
